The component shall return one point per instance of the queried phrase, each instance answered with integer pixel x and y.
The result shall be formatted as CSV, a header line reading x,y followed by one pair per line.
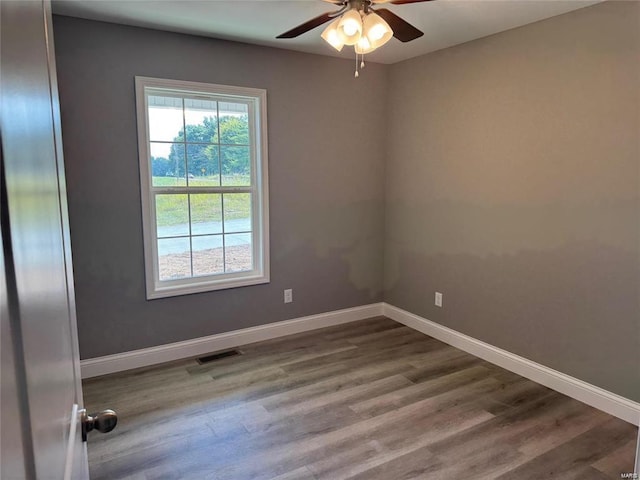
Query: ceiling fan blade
x,y
306,26
402,30
399,2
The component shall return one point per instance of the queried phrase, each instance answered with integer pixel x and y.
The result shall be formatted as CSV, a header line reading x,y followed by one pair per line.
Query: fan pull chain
x,y
357,73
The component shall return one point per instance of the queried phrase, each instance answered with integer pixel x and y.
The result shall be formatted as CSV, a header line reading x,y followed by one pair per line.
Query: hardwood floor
x,y
367,400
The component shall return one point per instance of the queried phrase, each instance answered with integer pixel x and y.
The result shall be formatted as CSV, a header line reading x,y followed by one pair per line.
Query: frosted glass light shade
x,y
332,36
350,27
377,31
363,46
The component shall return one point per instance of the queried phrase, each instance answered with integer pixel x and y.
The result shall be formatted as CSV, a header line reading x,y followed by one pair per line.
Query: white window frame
x,y
257,101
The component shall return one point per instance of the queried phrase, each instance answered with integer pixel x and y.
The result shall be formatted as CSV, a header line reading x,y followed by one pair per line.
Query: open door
x,y
41,428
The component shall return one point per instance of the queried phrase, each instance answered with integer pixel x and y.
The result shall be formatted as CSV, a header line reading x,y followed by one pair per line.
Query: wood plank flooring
x,y
367,400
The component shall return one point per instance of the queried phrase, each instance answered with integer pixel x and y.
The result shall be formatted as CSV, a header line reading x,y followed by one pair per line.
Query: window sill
x,y
165,291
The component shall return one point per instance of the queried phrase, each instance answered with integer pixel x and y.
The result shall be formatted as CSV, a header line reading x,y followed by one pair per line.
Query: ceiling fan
x,y
357,23
402,30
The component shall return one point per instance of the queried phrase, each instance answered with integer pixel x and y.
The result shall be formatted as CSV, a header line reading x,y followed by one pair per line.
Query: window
x,y
203,175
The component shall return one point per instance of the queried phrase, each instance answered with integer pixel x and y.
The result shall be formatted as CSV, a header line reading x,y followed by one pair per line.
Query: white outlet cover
x,y
288,295
438,299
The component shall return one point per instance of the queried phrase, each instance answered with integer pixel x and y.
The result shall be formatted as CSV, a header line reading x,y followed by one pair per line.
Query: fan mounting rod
x,y
360,5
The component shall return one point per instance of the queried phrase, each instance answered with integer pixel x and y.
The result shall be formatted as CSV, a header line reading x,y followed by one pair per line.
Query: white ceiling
x,y
444,22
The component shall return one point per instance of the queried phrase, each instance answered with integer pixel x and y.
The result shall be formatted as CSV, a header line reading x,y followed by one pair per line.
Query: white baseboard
x,y
597,397
119,362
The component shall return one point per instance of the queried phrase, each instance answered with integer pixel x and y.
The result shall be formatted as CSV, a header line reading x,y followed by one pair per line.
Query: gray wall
x,y
325,168
513,188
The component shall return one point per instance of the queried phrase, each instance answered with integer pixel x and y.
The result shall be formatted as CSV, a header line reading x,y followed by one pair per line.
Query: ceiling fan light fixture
x,y
350,27
332,36
376,30
357,23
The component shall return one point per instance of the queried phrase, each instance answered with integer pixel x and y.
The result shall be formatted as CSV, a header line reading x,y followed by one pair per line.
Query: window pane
x,y
238,252
206,213
165,118
200,185
207,255
172,215
201,118
237,212
167,164
236,166
234,124
203,165
174,258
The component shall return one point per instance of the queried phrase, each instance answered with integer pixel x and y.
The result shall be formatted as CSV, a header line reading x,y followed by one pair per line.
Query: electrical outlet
x,y
438,299
288,295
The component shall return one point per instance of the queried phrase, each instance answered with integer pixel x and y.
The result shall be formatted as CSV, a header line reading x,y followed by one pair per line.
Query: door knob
x,y
103,421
